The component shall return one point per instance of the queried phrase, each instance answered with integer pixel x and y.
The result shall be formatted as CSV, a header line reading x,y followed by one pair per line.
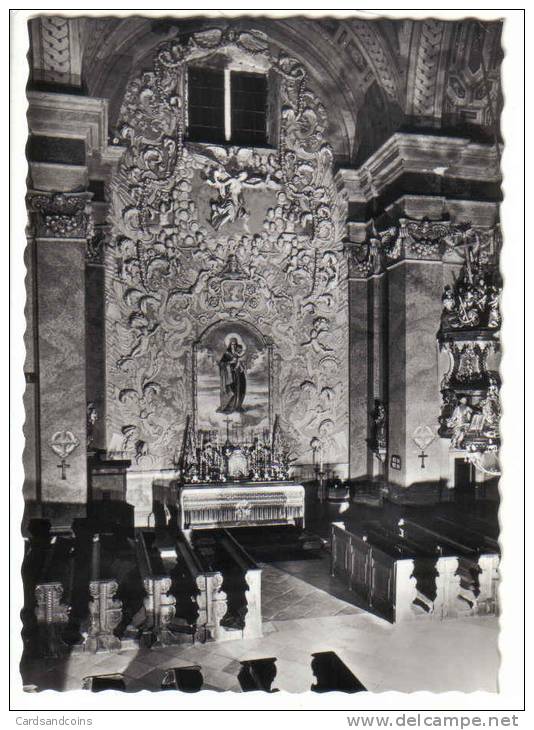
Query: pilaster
x,y
61,224
70,164
423,193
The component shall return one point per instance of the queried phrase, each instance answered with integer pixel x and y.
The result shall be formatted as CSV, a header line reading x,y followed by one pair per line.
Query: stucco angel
x,y
229,206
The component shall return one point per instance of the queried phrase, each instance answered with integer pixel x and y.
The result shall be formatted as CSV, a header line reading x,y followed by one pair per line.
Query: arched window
x,y
226,106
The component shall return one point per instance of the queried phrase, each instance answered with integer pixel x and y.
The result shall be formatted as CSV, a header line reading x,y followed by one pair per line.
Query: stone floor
x,y
286,597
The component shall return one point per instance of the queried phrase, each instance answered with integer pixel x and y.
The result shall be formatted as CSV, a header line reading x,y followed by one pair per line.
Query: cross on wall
x,y
63,466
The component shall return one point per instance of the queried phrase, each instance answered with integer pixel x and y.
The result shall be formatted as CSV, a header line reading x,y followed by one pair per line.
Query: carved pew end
x,y
333,675
184,679
257,674
101,682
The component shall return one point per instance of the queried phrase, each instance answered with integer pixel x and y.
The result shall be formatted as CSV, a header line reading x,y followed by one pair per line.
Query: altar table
x,y
248,504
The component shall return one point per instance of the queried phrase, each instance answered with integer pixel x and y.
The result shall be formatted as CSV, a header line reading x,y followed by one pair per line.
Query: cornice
x,y
423,154
73,116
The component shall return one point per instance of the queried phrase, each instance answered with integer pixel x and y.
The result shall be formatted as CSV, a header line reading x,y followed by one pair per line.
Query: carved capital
x,y
60,215
424,240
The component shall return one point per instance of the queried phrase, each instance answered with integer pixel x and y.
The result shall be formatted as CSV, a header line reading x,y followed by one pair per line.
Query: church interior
x,y
262,354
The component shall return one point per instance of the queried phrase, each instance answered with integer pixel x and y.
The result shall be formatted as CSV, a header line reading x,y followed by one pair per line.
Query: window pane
x,y
205,104
249,108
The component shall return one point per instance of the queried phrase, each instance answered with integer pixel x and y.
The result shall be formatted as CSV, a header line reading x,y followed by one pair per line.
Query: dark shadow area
x,y
425,573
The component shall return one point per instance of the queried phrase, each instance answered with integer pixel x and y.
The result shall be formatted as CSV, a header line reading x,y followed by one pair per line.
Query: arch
x,y
128,47
258,334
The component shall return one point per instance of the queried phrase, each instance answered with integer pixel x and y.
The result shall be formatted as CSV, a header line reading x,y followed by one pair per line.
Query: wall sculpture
x,y
205,234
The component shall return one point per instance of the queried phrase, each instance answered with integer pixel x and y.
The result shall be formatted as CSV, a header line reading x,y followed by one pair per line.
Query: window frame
x,y
228,136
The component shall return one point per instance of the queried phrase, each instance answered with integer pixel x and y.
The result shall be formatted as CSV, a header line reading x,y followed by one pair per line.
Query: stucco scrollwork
x,y
202,233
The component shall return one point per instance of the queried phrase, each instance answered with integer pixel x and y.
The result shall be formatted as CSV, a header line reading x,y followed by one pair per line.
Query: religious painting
x,y
232,364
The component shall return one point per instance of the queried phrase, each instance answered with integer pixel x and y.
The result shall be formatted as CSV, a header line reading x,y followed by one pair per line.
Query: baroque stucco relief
x,y
204,233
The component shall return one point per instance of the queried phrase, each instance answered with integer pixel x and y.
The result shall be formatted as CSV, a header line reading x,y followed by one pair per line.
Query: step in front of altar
x,y
205,506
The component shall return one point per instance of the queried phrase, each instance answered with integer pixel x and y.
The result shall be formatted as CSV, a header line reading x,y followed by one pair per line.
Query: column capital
x,y
60,215
418,240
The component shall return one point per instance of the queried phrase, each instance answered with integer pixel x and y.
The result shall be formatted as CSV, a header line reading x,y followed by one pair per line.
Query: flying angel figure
x,y
229,180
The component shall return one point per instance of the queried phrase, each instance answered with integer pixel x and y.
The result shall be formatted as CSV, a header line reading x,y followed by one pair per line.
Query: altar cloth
x,y
250,504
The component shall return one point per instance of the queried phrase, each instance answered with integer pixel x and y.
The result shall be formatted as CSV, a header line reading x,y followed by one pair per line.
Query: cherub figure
x,y
229,206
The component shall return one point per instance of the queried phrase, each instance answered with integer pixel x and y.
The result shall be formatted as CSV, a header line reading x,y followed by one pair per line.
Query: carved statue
x,y
468,307
92,418
473,300
449,316
378,439
450,401
494,314
459,422
229,206
380,425
491,410
376,255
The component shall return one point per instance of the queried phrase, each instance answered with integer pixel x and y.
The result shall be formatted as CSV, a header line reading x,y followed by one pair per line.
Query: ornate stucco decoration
x,y
424,240
473,78
57,49
469,334
60,215
232,287
472,301
203,233
94,252
473,426
63,443
426,75
372,45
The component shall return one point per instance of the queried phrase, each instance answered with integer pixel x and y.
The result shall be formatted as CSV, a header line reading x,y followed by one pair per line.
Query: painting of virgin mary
x,y
233,377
